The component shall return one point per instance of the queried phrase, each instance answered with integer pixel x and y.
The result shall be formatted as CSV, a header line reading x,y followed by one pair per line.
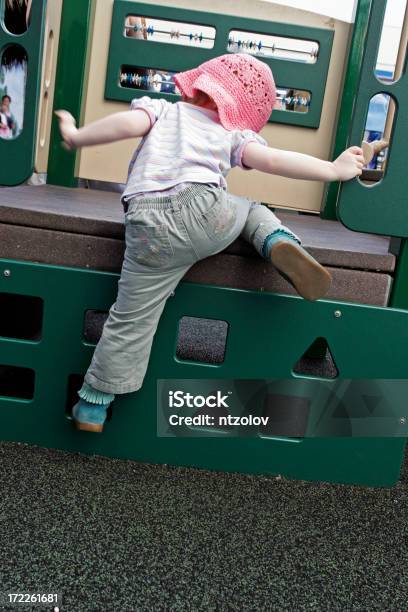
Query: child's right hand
x,y
349,164
68,129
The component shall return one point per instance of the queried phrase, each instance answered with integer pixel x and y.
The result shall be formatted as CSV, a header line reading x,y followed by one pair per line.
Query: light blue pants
x,y
164,237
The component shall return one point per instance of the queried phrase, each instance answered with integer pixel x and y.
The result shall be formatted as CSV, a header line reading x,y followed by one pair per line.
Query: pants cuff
x,y
116,388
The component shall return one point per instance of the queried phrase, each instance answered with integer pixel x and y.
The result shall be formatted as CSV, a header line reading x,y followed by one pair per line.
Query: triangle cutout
x,y
317,361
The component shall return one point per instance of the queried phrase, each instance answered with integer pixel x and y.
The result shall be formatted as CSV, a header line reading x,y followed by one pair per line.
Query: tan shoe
x,y
89,417
300,269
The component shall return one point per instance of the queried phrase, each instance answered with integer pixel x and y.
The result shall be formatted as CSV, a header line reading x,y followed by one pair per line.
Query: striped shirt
x,y
185,144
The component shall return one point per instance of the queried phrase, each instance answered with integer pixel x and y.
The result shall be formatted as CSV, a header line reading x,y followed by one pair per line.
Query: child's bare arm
x,y
300,166
127,124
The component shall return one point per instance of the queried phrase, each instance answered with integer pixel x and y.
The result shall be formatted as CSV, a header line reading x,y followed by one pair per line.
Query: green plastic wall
x,y
17,155
380,208
262,344
69,85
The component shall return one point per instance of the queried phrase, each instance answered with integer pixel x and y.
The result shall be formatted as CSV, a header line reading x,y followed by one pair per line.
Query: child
x,y
8,126
5,131
177,209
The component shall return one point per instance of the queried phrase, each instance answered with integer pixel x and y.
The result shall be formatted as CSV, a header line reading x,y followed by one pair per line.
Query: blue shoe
x,y
89,417
300,269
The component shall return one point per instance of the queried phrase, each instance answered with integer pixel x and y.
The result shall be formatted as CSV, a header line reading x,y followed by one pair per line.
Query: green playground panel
x,y
176,58
355,58
267,335
18,154
69,85
381,208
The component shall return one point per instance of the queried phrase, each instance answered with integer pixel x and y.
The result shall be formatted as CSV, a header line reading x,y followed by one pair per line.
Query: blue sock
x,y
93,396
271,239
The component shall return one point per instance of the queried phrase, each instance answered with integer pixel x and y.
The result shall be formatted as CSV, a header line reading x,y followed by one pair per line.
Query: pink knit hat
x,y
241,86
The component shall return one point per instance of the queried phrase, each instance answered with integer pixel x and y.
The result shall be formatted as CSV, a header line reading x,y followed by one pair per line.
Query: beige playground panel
x,y
49,67
110,162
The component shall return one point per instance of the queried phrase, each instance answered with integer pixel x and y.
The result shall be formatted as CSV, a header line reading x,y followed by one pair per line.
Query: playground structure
x,y
61,246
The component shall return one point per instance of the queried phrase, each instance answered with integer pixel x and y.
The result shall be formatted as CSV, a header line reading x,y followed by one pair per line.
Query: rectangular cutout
x,y
202,340
17,382
271,46
148,79
75,382
166,31
21,316
93,325
293,100
287,416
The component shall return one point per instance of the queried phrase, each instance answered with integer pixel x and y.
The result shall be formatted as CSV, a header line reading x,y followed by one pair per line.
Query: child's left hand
x,y
68,129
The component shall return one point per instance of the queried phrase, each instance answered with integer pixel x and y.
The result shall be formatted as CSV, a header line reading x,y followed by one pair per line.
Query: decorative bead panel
x,y
150,43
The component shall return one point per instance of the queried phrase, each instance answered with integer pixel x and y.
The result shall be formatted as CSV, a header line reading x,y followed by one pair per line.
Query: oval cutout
x,y
378,129
13,77
49,57
17,15
393,42
43,124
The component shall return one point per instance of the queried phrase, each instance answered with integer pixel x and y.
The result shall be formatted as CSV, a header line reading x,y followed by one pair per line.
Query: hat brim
x,y
185,81
226,104
190,81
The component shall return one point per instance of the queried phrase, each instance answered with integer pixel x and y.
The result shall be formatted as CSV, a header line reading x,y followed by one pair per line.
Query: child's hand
x,y
67,128
349,164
